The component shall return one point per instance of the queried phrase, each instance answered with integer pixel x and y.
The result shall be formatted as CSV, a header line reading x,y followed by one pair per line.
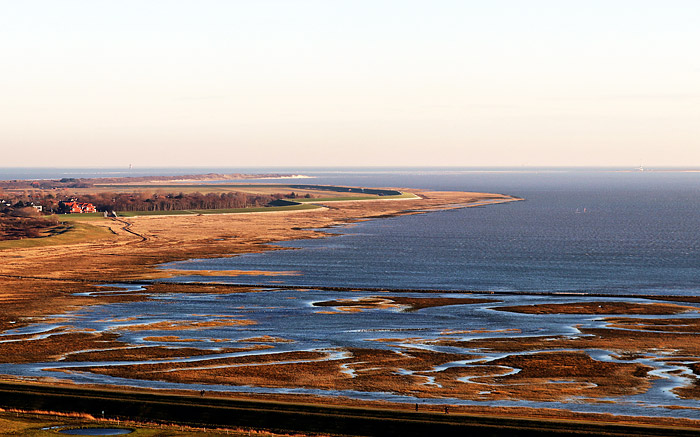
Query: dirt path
x,y
127,228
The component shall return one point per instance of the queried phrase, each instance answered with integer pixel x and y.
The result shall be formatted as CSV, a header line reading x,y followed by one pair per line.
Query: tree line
x,y
143,200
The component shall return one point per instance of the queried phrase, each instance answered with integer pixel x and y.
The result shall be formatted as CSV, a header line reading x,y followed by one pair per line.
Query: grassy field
x,y
46,424
306,204
90,216
70,233
353,198
76,228
328,192
218,211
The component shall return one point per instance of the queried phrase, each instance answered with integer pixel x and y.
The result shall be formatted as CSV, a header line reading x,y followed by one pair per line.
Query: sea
x,y
579,230
589,231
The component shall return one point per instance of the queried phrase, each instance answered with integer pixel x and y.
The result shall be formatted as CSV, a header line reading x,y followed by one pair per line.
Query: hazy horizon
x,y
368,166
385,83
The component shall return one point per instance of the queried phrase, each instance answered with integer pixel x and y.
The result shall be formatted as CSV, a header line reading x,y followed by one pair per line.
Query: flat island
x,y
86,301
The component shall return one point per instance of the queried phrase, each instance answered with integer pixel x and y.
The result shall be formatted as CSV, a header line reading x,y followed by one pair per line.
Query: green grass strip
x,y
352,198
218,211
89,216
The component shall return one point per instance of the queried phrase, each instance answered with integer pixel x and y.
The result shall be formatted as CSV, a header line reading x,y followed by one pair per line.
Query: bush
x,y
13,227
27,211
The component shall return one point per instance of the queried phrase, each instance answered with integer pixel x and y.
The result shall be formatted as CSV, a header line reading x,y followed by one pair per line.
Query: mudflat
x,y
501,364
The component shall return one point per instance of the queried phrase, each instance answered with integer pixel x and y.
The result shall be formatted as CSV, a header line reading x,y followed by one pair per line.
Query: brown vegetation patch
x,y
60,344
692,390
357,304
28,300
362,369
195,371
555,365
146,353
26,223
418,303
538,377
150,353
399,302
266,339
55,346
621,341
28,337
599,308
171,339
554,376
681,325
541,376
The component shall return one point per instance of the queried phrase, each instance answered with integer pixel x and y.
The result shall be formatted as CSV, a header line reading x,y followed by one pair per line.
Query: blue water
x,y
639,234
292,315
581,231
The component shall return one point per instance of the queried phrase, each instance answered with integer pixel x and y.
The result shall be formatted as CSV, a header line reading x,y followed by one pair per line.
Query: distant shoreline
x,y
68,182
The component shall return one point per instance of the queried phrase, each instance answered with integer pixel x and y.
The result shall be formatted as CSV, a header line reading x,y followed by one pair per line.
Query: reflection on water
x,y
584,232
287,321
612,233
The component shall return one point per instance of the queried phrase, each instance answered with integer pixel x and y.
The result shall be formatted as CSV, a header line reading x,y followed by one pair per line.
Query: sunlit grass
x,y
39,424
352,198
90,216
68,233
218,211
74,229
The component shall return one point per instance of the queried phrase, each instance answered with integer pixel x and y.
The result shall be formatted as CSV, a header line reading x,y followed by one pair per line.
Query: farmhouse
x,y
76,207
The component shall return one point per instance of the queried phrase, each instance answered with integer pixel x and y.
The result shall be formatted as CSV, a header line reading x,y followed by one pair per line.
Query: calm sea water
x,y
582,231
639,234
592,230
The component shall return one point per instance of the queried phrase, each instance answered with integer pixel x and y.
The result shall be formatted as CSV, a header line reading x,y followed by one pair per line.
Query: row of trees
x,y
144,201
10,201
20,219
173,202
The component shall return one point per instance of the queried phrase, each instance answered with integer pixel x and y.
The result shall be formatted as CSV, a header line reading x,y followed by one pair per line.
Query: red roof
x,y
78,208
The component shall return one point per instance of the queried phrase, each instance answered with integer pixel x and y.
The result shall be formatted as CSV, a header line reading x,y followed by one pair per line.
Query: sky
x,y
338,83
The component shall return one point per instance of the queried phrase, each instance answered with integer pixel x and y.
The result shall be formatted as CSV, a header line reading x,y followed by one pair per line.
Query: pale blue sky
x,y
245,83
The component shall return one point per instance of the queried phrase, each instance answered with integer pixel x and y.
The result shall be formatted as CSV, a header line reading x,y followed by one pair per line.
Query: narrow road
x,y
203,410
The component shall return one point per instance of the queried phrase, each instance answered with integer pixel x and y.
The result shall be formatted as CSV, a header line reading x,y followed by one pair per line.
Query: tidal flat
x,y
98,314
619,355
